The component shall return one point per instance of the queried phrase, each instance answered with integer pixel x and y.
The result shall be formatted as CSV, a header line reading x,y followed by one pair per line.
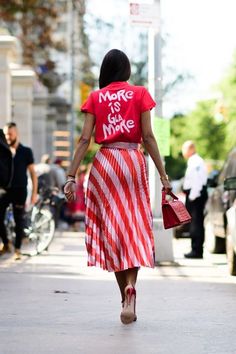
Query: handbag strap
x,y
164,200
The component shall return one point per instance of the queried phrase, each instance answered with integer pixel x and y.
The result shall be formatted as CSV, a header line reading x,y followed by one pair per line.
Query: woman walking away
x,y
118,221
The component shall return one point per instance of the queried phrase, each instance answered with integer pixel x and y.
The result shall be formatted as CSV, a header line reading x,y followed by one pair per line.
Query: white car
x,y
229,185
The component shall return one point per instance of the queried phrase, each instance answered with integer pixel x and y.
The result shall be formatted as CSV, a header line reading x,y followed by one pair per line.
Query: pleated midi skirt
x,y
118,215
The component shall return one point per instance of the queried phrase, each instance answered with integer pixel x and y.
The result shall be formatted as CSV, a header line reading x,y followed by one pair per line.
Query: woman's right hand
x,y
166,185
70,191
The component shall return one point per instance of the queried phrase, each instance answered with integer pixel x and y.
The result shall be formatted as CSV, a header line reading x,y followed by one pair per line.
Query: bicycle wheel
x,y
40,232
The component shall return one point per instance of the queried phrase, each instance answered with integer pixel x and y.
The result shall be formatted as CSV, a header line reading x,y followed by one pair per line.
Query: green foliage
x,y
203,128
177,136
89,157
93,148
213,138
175,167
228,89
175,164
200,126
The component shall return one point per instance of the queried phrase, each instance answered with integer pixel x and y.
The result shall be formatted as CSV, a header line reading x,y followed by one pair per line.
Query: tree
x,y
139,67
200,126
214,137
209,135
175,164
82,48
33,22
227,87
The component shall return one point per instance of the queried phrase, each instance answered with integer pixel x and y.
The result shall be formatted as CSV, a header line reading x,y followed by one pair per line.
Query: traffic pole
x,y
162,238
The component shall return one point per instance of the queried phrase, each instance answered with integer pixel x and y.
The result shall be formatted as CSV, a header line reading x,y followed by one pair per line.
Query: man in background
x,y
43,172
6,163
16,193
194,186
58,174
49,174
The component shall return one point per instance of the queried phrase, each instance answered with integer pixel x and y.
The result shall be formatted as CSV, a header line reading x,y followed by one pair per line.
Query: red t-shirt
x,y
117,109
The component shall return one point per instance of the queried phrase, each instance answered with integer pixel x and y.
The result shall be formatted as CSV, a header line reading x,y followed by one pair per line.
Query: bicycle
x,y
40,222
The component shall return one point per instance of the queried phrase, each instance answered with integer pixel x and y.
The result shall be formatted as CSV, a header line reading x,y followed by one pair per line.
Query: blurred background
x,y
51,52
183,51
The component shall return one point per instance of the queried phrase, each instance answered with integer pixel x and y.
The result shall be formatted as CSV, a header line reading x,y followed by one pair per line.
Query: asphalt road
x,y
54,303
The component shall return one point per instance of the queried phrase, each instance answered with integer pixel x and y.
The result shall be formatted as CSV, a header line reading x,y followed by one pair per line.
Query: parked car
x,y
220,200
230,185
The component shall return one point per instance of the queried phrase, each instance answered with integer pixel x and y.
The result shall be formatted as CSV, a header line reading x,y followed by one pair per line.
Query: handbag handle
x,y
164,196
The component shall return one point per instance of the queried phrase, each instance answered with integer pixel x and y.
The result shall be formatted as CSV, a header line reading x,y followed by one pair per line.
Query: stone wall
x,y
25,101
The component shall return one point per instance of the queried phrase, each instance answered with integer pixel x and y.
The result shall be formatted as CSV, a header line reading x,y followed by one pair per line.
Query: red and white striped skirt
x,y
118,214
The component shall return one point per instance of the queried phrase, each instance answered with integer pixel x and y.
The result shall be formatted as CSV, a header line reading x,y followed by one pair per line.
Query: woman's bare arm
x,y
84,141
151,146
83,144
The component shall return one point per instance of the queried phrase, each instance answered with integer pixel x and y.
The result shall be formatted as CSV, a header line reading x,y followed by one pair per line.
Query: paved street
x,y
53,303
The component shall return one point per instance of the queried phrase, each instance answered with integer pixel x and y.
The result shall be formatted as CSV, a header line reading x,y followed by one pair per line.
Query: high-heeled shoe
x,y
123,304
128,314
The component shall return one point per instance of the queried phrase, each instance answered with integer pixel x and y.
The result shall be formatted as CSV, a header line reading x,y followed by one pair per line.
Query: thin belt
x,y
121,145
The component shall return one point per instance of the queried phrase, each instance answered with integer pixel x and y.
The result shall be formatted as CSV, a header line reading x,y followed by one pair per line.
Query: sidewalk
x,y
54,303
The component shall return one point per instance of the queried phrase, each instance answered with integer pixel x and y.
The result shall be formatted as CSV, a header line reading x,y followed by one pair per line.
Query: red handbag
x,y
174,211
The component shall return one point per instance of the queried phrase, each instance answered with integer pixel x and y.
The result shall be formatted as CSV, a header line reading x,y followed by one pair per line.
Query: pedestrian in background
x,y
58,174
43,171
16,194
119,235
6,163
50,175
194,186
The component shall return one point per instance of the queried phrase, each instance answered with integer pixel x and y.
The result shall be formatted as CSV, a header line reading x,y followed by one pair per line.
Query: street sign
x,y
144,15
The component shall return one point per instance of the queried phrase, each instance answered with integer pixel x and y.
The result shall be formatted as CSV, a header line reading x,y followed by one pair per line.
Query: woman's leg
x,y
126,277
128,313
121,280
131,276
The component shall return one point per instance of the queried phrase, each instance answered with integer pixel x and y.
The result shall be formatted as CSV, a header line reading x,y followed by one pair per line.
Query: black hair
x,y
10,125
115,67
